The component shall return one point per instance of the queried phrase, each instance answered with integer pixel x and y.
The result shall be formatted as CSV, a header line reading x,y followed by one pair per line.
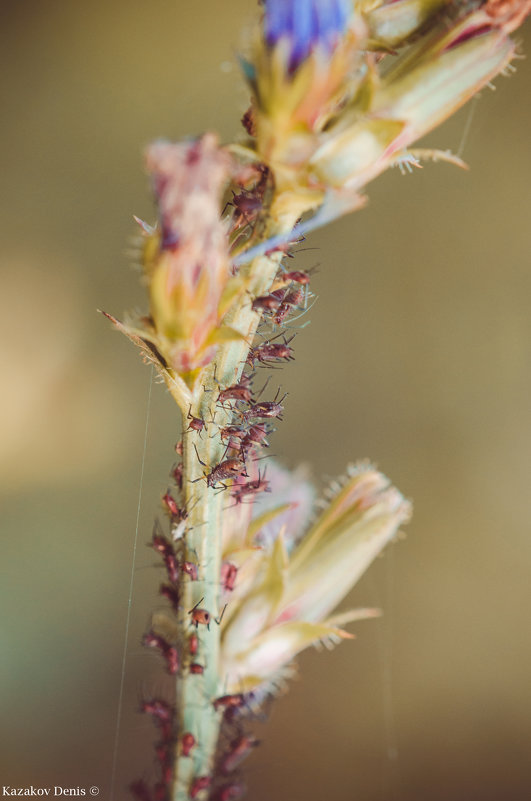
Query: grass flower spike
x,y
340,91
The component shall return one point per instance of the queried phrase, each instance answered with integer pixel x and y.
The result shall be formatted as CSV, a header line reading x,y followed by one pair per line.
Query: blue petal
x,y
277,19
304,30
307,23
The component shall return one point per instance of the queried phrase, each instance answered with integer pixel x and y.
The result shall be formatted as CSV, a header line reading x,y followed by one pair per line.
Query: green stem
x,y
197,692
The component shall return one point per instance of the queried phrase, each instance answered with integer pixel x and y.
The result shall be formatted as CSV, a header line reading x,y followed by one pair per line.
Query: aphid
x,y
179,448
160,543
196,423
171,505
258,433
196,669
198,784
229,571
167,773
193,644
160,710
172,660
168,652
152,640
163,754
237,392
230,792
248,121
239,750
283,310
295,296
177,475
160,792
226,469
247,205
172,567
269,352
171,593
235,701
268,302
232,433
267,409
187,743
299,276
284,247
165,548
240,491
202,617
140,790
190,568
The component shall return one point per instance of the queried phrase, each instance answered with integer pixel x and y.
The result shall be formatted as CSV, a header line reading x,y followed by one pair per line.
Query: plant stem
x,y
196,692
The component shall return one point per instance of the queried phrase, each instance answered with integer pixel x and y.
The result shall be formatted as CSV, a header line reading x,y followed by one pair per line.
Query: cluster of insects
x,y
247,423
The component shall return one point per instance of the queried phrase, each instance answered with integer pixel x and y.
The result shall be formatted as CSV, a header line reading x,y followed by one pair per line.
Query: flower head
x,y
186,258
342,89
289,582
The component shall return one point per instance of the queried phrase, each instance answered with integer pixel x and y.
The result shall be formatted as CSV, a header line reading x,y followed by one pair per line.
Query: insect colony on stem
x,y
244,437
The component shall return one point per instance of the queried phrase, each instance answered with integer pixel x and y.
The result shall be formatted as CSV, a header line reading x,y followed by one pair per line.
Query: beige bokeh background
x,y
418,356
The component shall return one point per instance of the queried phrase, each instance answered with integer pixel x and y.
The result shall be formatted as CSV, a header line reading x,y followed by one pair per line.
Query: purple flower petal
x,y
306,23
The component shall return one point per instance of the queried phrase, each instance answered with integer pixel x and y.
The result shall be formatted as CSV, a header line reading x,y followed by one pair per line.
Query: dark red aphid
x,y
240,748
248,121
285,247
177,474
265,409
247,205
230,792
167,773
240,491
268,302
299,276
196,423
232,433
280,315
269,352
196,669
160,792
237,392
187,743
229,571
229,701
294,297
258,434
152,640
163,546
172,660
160,710
172,567
191,569
193,644
172,594
163,754
160,543
226,469
198,784
140,790
171,505
168,652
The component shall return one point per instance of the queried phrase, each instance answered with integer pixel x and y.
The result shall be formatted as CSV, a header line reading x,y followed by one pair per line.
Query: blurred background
x,y
418,356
